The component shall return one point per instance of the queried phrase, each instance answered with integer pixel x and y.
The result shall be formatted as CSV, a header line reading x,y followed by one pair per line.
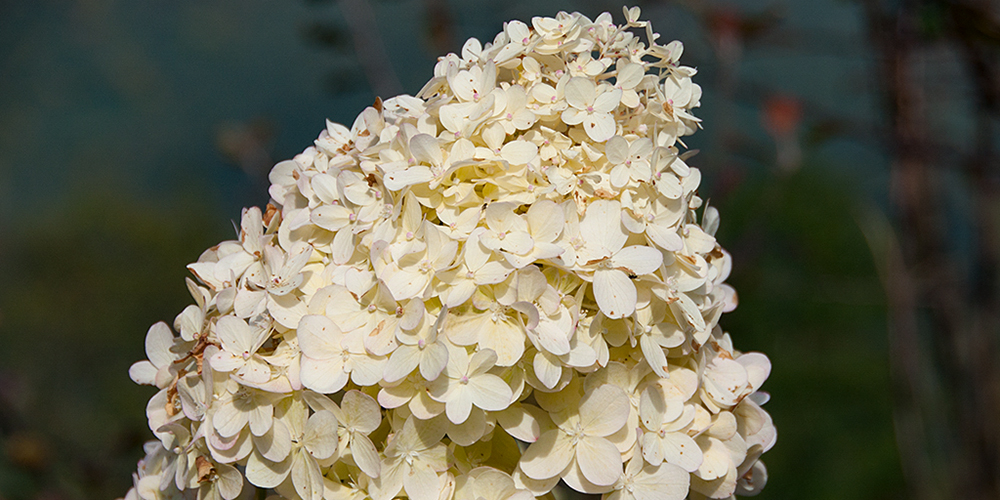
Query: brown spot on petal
x,y
378,329
205,469
269,212
378,104
603,193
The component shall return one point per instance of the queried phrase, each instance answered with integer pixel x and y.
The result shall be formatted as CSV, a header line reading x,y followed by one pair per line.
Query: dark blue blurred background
x,y
132,133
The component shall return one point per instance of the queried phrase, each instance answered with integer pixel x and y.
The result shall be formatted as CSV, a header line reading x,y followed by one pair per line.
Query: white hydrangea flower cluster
x,y
472,294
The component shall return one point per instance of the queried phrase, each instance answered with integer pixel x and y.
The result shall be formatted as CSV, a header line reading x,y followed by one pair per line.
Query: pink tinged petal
x,y
600,126
434,359
399,179
580,92
319,337
324,376
665,237
307,478
602,227
459,403
490,392
615,293
365,454
599,460
143,372
682,451
548,456
264,473
331,217
422,482
159,340
604,410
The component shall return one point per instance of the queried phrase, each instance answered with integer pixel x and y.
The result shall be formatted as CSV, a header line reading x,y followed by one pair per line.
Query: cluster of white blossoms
x,y
472,294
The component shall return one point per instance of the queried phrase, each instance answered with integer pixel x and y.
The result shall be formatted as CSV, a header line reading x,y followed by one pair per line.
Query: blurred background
x,y
850,146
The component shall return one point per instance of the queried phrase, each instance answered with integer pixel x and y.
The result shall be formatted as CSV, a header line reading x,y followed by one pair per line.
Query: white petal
x,y
275,444
320,436
143,372
266,474
607,102
402,361
365,454
547,457
682,451
235,334
159,339
459,404
426,149
604,410
323,376
319,337
490,392
600,126
614,292
422,482
599,460
307,476
400,179
434,360
601,227
229,481
519,152
331,217
668,482
580,92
